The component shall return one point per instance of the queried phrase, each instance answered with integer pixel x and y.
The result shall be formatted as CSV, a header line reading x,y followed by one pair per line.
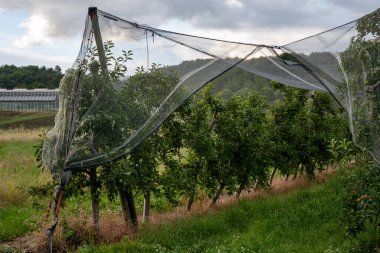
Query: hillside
x,y
234,82
239,81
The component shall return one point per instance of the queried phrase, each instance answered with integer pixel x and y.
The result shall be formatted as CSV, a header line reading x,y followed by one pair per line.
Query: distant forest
x,y
29,77
236,81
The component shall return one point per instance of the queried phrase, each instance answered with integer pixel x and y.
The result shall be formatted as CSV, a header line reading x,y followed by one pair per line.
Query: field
x,y
294,216
19,133
27,120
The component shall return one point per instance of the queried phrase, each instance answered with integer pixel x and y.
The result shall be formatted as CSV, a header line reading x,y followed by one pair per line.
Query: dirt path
x,y
112,226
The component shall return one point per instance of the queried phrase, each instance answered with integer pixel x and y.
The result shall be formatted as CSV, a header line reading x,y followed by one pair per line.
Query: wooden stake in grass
x,y
95,199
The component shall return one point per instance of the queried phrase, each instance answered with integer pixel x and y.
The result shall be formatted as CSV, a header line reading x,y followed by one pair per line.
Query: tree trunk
x,y
124,206
146,206
241,188
255,184
132,207
272,176
299,170
190,201
218,192
95,198
211,126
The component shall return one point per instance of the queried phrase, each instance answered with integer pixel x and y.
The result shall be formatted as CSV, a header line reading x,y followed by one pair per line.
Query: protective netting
x,y
128,78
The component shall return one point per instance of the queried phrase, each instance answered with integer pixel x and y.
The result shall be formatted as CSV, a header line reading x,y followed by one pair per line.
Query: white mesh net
x,y
128,78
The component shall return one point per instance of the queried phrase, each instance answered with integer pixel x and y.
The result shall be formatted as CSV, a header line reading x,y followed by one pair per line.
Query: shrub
x,y
361,207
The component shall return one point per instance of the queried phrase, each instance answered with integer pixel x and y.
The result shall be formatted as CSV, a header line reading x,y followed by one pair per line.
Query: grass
x,y
29,120
18,221
21,135
18,172
18,166
306,220
301,221
77,204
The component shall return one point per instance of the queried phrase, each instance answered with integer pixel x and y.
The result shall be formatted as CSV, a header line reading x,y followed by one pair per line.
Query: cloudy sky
x,y
48,32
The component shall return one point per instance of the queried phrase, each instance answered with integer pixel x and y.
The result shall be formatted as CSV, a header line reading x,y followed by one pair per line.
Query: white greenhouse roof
x,y
25,95
29,91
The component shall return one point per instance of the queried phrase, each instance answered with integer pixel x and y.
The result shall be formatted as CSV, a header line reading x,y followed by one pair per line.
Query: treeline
x,y
29,77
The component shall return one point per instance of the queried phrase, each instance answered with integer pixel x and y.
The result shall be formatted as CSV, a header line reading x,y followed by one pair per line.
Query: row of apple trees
x,y
213,146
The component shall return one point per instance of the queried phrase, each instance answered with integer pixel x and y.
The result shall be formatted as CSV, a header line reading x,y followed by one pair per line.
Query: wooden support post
x,y
93,13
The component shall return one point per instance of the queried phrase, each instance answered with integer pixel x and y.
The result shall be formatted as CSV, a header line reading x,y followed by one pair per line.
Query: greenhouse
x,y
29,100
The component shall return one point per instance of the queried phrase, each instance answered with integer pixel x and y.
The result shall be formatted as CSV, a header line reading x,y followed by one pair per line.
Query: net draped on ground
x,y
109,105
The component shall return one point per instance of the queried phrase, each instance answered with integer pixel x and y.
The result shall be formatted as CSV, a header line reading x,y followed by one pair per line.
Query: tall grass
x,y
20,135
18,171
18,166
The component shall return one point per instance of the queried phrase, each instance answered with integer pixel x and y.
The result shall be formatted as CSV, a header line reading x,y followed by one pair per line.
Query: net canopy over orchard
x,y
128,78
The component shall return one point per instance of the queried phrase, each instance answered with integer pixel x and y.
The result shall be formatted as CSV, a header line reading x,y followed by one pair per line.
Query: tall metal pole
x,y
93,13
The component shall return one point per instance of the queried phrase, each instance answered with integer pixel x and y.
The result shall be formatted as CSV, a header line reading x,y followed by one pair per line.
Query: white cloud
x,y
37,27
21,57
59,24
33,55
234,3
6,38
66,18
259,35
